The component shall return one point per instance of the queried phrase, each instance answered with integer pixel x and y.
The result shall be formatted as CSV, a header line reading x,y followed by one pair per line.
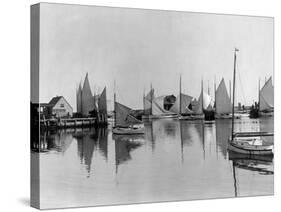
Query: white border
x,y
14,106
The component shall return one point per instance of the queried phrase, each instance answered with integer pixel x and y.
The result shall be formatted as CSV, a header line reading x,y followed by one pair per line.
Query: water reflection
x,y
89,141
124,145
188,159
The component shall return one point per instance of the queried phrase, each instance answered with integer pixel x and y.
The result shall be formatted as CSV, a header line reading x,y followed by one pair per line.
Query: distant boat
x,y
249,143
265,106
182,107
124,122
223,102
266,99
207,107
154,107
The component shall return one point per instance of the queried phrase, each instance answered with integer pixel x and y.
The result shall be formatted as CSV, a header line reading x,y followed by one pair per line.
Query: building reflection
x,y
58,141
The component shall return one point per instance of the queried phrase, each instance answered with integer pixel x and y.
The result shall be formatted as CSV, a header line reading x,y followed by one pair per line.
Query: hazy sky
x,y
138,47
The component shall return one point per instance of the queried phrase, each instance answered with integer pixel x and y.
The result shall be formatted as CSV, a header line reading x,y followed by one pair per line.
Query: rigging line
x,y
241,85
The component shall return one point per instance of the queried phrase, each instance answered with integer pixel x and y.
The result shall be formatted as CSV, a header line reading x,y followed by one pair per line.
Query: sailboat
x,y
249,143
154,107
181,106
147,104
208,107
125,123
266,99
223,102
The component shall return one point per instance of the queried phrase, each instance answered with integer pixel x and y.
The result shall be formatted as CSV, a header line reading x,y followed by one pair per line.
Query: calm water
x,y
174,160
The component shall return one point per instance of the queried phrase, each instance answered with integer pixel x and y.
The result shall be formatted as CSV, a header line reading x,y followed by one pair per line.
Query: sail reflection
x,y
124,145
90,140
223,130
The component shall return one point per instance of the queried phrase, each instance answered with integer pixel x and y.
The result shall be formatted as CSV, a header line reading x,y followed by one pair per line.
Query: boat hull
x,y
127,131
226,116
250,150
170,116
192,117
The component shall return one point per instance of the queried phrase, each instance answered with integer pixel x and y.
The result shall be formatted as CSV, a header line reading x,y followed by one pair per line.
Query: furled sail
x,y
158,106
123,116
267,96
185,101
223,102
147,102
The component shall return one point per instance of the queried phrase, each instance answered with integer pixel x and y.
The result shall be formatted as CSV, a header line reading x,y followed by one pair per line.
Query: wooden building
x,y
59,107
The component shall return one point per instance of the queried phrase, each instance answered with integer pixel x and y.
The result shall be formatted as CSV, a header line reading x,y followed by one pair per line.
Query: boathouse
x,y
59,107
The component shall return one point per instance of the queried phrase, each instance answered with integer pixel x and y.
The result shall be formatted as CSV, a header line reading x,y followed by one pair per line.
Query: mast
x,y
180,95
151,96
233,95
114,104
230,90
202,95
215,104
259,95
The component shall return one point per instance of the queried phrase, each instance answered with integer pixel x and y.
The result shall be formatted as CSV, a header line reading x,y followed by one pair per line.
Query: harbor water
x,y
175,160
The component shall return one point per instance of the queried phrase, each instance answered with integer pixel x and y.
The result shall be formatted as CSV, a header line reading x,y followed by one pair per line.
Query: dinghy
x,y
250,143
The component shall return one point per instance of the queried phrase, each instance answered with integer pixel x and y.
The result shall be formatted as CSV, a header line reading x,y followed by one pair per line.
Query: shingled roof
x,y
54,100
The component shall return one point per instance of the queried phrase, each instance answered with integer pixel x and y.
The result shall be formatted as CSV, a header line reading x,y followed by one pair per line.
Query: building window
x,y
62,105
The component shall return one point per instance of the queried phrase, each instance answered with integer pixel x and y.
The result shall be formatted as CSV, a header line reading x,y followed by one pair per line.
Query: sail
x,y
223,102
185,102
79,99
102,104
267,96
196,106
208,103
147,102
158,106
123,116
87,97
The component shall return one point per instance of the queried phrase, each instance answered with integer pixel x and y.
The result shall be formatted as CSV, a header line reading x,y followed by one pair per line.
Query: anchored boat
x,y
154,107
124,122
250,143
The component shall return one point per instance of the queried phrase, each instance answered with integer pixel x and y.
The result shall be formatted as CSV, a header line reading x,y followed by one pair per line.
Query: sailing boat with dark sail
x,y
124,122
250,143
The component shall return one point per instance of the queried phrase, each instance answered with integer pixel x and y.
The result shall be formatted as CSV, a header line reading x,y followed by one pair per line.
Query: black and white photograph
x,y
141,105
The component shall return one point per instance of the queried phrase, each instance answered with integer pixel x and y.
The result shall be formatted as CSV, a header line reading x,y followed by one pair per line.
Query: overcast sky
x,y
138,47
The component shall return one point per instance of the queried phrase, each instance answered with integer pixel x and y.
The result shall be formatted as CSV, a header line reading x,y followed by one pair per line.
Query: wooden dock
x,y
72,122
